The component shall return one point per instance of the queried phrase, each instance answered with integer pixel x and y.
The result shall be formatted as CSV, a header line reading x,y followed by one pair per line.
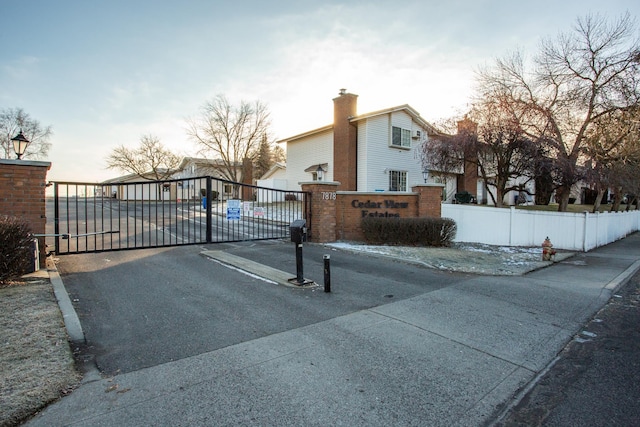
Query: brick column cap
x,y
31,163
428,185
334,183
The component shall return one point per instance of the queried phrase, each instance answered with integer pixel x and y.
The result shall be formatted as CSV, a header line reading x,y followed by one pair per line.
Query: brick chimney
x,y
345,141
466,128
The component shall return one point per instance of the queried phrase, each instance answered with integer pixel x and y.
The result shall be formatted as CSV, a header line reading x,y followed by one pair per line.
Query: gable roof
x,y
203,162
146,177
305,134
273,169
431,130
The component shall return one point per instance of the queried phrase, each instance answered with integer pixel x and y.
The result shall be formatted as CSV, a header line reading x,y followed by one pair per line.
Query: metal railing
x,y
90,217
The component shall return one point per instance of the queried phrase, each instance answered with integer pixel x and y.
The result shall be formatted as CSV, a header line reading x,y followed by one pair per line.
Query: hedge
x,y
409,231
15,247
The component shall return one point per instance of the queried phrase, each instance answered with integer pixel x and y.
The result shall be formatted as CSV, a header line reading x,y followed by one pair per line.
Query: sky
x,y
105,73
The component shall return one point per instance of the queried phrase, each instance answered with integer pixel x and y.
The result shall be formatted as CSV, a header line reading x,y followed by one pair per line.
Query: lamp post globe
x,y
20,144
425,175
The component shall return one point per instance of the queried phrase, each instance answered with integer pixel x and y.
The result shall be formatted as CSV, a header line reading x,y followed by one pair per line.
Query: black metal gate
x,y
134,215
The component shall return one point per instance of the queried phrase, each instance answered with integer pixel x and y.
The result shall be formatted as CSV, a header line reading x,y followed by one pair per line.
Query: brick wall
x,y
337,215
352,206
22,194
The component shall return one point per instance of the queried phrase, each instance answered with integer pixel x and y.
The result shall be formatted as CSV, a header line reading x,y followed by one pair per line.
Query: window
x,y
400,137
397,181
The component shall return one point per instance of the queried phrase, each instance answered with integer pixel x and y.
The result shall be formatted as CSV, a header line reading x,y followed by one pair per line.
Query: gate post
x,y
429,199
208,210
322,223
22,194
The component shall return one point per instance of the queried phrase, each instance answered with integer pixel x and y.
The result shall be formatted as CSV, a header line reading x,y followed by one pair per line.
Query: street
x,y
146,307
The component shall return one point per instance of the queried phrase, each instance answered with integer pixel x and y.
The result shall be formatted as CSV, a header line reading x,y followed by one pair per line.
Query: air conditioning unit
x,y
416,134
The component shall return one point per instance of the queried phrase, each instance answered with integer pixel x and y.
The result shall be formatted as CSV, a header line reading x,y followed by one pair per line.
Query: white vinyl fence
x,y
517,227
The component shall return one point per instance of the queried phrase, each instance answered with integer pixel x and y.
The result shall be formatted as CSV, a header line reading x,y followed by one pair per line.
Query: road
x,y
147,307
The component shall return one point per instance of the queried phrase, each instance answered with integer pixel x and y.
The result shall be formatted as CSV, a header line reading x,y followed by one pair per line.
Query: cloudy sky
x,y
104,73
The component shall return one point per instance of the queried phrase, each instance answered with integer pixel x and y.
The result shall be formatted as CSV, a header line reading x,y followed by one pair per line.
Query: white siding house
x,y
380,162
276,179
305,152
378,151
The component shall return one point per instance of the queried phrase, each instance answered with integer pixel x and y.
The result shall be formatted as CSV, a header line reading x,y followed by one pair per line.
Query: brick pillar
x,y
429,199
322,222
247,178
469,129
22,194
345,141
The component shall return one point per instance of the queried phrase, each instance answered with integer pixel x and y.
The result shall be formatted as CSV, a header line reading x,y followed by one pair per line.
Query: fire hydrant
x,y
548,253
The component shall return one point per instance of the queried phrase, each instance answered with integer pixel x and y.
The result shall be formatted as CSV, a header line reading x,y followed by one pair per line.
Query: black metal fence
x,y
91,217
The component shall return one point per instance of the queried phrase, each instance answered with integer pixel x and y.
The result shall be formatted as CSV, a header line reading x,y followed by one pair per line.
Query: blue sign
x,y
233,210
233,214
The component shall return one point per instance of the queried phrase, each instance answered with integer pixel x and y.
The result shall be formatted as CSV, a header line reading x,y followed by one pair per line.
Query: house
x,y
136,187
274,178
374,152
179,185
192,167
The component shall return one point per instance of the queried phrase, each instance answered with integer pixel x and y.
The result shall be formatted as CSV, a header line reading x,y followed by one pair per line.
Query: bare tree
x,y
576,79
490,140
15,120
150,160
613,150
230,133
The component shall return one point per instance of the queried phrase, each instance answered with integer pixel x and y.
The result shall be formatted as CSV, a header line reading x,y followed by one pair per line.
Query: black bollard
x,y
299,272
327,273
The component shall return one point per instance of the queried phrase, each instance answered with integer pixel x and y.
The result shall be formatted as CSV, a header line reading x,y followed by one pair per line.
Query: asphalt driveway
x,y
147,307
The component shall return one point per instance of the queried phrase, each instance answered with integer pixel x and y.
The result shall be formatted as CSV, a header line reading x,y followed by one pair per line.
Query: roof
x,y
202,161
149,176
308,133
407,109
273,169
431,130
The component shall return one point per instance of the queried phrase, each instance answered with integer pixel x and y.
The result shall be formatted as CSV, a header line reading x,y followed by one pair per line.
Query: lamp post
x,y
20,144
319,173
425,175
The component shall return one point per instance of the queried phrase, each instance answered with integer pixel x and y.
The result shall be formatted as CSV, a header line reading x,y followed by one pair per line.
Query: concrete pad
x,y
566,302
519,335
382,372
257,269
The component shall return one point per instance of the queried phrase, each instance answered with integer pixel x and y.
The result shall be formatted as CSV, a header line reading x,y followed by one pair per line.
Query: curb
x,y
69,315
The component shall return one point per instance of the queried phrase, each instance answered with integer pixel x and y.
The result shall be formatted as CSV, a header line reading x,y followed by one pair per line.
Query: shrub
x,y
409,231
290,197
15,248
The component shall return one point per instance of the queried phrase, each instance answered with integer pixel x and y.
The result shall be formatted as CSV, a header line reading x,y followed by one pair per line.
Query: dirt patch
x,y
37,363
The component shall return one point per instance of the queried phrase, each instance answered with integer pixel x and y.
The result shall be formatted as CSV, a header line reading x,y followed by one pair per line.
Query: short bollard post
x,y
327,273
299,268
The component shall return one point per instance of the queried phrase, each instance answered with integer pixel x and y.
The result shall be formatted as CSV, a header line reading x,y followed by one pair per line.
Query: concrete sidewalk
x,y
455,356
